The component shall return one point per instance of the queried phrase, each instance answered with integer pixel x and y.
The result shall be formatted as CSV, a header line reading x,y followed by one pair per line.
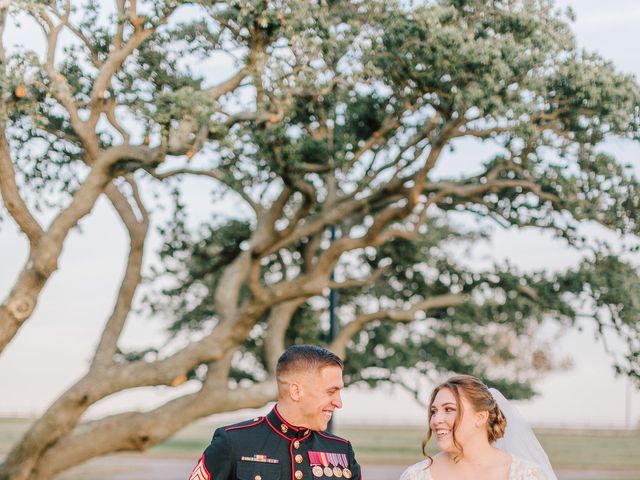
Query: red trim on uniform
x,y
293,463
333,438
278,431
238,427
275,409
200,471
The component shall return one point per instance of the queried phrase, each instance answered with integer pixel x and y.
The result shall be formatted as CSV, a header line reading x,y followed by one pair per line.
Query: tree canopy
x,y
320,115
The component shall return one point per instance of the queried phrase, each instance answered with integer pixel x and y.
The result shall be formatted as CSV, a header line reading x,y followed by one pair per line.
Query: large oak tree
x,y
333,115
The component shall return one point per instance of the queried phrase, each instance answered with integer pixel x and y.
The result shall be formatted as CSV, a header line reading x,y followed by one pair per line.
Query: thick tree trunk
x,y
133,431
20,303
59,419
56,442
43,259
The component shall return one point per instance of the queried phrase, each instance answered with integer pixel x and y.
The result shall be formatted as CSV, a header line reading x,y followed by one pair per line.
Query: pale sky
x,y
53,349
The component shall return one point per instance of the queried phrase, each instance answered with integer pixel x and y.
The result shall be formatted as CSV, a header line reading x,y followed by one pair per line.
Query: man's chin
x,y
323,426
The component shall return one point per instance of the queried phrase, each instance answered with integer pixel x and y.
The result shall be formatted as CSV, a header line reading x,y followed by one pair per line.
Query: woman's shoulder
x,y
417,471
522,469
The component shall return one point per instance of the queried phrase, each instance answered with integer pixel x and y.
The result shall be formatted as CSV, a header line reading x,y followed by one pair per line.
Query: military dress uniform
x,y
270,448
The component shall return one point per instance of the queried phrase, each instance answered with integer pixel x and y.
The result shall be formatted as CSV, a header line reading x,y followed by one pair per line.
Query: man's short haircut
x,y
306,358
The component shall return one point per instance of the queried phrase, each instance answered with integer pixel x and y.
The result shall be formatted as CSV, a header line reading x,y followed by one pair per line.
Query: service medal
x,y
328,472
344,463
315,459
337,472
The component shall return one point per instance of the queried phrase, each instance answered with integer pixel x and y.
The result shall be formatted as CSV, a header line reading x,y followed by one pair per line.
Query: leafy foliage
x,y
335,114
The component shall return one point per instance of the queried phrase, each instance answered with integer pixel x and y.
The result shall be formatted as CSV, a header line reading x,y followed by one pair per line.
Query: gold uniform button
x,y
258,477
296,444
298,474
298,458
284,428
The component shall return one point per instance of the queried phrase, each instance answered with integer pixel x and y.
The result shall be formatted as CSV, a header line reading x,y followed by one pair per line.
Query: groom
x,y
289,442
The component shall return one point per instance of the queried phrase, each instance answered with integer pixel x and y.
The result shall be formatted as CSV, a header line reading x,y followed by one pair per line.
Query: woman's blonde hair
x,y
479,396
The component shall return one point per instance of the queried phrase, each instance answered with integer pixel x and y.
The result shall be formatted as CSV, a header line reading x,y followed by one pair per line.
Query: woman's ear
x,y
481,418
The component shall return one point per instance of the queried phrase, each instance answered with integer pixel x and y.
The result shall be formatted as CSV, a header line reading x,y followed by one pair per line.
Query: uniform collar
x,y
284,428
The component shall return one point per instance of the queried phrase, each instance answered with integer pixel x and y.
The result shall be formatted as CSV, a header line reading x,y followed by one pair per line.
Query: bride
x,y
480,436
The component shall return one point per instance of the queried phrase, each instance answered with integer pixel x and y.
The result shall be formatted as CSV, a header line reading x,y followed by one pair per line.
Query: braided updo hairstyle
x,y
479,396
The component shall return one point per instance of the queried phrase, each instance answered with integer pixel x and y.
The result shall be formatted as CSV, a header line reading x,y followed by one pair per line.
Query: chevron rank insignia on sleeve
x,y
200,472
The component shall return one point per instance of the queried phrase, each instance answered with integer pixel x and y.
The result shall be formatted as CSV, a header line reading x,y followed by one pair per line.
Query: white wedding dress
x,y
520,470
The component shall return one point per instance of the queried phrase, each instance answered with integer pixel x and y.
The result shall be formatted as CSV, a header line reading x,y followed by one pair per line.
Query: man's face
x,y
320,396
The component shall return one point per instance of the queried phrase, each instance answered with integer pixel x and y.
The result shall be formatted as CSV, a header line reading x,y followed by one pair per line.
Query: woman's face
x,y
444,412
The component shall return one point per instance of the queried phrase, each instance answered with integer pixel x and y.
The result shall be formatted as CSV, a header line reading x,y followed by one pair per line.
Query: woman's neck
x,y
478,454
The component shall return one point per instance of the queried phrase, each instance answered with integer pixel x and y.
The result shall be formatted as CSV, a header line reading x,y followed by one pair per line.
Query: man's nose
x,y
337,401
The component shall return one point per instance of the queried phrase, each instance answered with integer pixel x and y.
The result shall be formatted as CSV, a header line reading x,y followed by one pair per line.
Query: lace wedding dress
x,y
520,470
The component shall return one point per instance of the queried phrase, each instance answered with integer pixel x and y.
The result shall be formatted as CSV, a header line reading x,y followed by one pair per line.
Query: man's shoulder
x,y
330,437
244,426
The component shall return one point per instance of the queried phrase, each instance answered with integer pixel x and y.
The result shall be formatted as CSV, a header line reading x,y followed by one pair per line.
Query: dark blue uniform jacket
x,y
269,448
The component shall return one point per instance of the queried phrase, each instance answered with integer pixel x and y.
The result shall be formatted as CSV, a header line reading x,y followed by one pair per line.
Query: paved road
x,y
125,467
147,467
128,467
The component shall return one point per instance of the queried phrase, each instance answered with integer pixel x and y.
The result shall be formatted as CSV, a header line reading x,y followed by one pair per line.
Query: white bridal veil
x,y
519,438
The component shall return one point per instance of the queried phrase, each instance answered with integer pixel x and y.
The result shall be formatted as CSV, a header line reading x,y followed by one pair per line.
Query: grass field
x,y
568,450
588,450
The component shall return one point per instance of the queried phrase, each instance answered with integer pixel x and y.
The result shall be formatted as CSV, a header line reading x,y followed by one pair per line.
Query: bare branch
x,y
112,64
308,201
228,291
265,229
228,85
279,319
259,117
347,332
482,133
62,91
317,224
64,20
310,248
437,145
473,190
132,13
11,197
4,8
218,175
359,282
225,23
137,234
376,137
118,38
109,108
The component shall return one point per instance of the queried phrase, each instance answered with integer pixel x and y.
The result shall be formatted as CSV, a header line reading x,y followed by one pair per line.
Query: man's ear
x,y
295,391
481,418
